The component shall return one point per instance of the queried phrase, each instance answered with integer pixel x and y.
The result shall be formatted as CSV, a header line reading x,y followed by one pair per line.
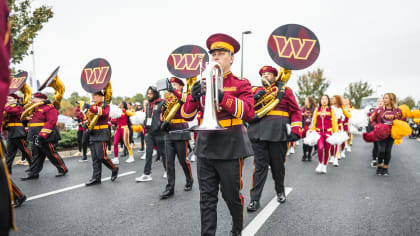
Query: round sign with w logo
x,y
293,46
17,81
96,75
185,61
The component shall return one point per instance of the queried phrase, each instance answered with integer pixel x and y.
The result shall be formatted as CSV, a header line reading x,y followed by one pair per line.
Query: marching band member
x,y
153,133
325,124
44,134
220,154
176,143
123,132
98,138
385,114
81,118
16,134
270,137
307,114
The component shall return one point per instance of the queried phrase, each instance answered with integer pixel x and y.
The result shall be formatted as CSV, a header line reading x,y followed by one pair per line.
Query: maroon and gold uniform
x,y
97,140
220,154
269,137
16,135
44,134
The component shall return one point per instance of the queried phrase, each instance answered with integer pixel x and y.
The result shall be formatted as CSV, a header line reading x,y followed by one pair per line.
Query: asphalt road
x,y
348,200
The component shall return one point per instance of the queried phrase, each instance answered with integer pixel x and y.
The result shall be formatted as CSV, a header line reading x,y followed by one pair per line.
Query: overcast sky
x,y
374,41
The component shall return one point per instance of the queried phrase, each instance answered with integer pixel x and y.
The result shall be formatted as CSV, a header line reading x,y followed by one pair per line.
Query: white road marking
x,y
73,187
253,227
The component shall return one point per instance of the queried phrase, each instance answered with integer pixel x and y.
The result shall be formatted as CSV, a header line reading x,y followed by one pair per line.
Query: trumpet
x,y
214,82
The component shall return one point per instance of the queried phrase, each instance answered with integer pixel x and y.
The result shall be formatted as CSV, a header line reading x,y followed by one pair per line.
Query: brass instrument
x,y
190,83
209,121
92,118
269,100
52,81
171,107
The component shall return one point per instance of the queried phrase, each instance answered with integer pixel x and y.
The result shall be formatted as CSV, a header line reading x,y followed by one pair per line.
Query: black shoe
x,y
304,158
61,173
142,149
29,177
167,193
235,233
188,186
309,157
385,172
253,206
93,182
84,159
114,174
28,170
19,201
281,197
379,170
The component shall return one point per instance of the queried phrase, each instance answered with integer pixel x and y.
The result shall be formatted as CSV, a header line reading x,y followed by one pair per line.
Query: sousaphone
x,y
96,76
18,83
292,47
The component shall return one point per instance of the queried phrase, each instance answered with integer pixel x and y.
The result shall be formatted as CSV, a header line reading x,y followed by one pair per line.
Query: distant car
x,y
368,102
68,122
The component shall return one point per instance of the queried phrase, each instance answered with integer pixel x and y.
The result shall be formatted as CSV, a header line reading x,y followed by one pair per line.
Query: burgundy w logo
x,y
96,75
188,61
16,82
296,47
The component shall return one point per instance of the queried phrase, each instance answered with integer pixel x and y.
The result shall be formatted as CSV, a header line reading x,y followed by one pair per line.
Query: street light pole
x,y
242,52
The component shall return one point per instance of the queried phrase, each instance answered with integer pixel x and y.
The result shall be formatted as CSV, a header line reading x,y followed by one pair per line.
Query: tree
x,y
312,84
25,25
355,91
139,98
409,101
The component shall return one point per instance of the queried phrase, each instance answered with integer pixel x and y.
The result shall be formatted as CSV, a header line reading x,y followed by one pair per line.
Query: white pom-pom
x,y
334,139
338,112
354,130
311,138
138,118
114,111
343,136
359,119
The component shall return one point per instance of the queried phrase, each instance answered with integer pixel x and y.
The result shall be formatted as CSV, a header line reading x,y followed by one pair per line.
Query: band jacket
x,y
100,132
80,118
178,122
44,123
237,105
325,122
273,126
385,116
152,121
14,125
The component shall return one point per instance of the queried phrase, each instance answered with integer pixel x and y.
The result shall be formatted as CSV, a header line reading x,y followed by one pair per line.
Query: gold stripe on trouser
x,y
106,158
59,160
9,184
126,136
337,151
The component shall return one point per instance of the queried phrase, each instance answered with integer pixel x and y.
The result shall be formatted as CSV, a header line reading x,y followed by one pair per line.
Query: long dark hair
x,y
312,103
329,102
124,105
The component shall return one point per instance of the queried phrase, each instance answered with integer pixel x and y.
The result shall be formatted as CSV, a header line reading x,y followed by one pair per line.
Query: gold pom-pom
x,y
399,130
405,110
137,128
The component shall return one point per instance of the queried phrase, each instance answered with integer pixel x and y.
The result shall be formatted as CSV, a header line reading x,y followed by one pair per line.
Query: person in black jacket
x,y
154,134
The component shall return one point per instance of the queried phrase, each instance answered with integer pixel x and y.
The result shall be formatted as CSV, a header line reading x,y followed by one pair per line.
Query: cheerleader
x,y
307,114
385,115
325,124
348,106
337,151
124,132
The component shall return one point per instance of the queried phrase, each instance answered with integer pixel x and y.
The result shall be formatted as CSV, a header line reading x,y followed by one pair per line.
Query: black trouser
x,y
47,149
17,193
268,153
178,148
130,135
98,151
226,173
384,150
110,142
6,211
375,151
85,141
142,140
307,150
160,144
80,140
13,144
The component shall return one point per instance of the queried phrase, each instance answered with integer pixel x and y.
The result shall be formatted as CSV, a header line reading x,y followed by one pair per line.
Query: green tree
x,y
409,101
139,98
312,84
25,24
355,91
